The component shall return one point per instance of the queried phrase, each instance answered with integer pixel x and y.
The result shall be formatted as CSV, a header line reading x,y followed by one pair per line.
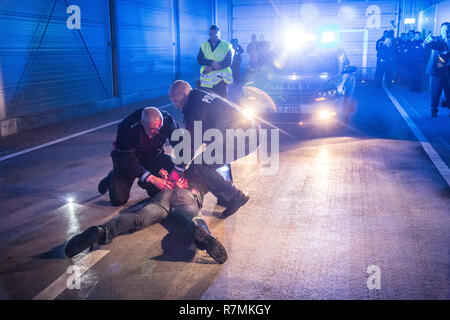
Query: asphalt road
x,y
342,201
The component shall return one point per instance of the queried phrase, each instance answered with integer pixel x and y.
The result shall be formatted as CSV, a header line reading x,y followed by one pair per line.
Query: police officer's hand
x,y
428,39
159,183
216,65
164,174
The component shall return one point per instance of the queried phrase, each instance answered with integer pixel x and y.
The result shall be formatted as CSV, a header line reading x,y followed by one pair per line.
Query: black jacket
x,y
133,147
214,112
438,46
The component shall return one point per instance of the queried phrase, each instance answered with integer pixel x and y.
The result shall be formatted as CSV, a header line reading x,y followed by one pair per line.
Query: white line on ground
x,y
426,145
59,285
19,153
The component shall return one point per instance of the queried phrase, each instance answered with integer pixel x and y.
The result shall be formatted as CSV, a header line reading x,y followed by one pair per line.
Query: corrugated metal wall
x,y
44,65
271,17
47,69
147,59
195,19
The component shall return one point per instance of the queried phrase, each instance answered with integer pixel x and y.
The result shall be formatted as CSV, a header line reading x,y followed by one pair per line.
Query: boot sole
x,y
213,246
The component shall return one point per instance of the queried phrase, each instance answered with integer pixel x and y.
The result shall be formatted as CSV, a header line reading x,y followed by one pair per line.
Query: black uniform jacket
x,y
438,46
214,112
135,148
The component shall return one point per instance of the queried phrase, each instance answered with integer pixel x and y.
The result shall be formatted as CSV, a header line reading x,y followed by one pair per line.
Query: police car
x,y
308,85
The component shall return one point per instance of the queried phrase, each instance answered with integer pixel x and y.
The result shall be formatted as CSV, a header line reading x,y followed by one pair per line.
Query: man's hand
x,y
216,65
159,183
428,39
182,183
164,174
208,69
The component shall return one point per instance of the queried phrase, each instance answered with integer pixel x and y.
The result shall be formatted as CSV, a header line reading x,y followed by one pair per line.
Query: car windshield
x,y
307,63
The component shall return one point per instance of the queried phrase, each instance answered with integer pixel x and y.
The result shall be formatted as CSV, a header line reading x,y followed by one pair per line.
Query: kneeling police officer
x,y
138,153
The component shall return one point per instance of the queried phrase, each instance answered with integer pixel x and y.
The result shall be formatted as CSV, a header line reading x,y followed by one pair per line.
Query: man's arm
x,y
432,43
227,61
173,125
202,60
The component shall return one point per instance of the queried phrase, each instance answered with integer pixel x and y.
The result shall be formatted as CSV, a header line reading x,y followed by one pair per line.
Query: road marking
x,y
19,153
426,145
60,284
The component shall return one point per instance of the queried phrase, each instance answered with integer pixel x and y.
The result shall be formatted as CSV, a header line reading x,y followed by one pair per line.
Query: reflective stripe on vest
x,y
211,79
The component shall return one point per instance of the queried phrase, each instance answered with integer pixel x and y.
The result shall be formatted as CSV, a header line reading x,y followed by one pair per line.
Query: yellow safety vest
x,y
211,79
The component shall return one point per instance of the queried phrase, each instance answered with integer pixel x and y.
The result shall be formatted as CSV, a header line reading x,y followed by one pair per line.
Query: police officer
x,y
138,153
401,58
416,62
216,57
237,60
217,113
183,203
385,59
436,69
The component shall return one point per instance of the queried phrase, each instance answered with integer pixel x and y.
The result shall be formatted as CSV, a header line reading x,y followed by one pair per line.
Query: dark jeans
x,y
437,85
121,180
182,204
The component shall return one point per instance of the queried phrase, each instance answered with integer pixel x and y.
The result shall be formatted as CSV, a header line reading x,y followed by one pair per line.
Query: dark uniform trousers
x,y
182,204
122,177
223,189
438,84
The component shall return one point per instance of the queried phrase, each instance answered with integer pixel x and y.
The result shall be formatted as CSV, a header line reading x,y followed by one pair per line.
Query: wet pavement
x,y
343,200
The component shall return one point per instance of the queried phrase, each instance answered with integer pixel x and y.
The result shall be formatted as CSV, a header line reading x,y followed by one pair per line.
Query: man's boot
x,y
103,185
434,113
84,240
204,240
234,204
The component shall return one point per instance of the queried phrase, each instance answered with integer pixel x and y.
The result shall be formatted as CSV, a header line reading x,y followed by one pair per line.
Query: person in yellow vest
x,y
215,56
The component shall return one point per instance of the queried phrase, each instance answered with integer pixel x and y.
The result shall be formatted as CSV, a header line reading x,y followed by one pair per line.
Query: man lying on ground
x,y
183,203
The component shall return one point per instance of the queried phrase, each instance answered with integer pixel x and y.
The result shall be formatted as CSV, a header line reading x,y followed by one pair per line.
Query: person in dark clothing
x,y
263,48
237,60
138,153
385,60
252,52
437,69
216,57
400,59
213,112
183,203
416,62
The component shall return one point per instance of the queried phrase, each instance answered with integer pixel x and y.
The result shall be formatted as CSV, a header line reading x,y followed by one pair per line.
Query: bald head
x,y
152,120
179,92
